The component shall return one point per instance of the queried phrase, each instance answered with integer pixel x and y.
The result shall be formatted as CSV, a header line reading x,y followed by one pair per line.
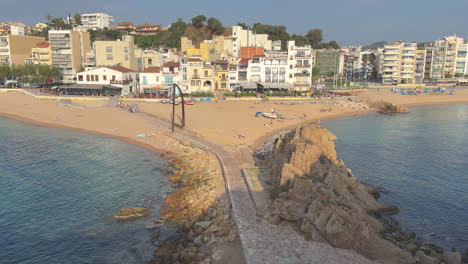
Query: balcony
x,y
302,74
3,44
302,66
195,76
303,55
119,81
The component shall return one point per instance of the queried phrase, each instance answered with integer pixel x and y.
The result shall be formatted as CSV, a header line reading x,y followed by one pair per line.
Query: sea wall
x,y
315,192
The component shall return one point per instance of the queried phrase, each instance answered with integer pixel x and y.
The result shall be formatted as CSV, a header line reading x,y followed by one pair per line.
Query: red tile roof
x,y
244,60
195,60
152,70
171,64
120,69
43,44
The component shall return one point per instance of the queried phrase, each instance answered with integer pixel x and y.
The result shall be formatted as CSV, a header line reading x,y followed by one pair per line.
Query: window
x,y
306,62
80,78
283,62
255,69
96,78
299,63
87,78
268,78
290,67
126,57
192,82
113,77
144,80
275,62
282,70
157,79
109,57
275,70
169,79
267,62
92,78
150,61
104,77
206,74
275,78
281,78
267,70
191,64
109,49
125,49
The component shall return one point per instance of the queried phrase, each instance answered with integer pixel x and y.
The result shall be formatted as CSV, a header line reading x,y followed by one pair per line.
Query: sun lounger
x,y
202,99
208,99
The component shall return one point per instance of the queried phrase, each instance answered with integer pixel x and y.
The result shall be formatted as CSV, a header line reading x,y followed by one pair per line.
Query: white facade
x,y
300,66
96,21
17,30
113,76
247,38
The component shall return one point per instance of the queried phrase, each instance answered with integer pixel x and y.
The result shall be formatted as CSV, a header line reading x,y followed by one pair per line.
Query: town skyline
x,y
380,25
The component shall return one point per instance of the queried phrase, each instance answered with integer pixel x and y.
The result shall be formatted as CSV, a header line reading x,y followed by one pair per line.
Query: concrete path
x,y
261,241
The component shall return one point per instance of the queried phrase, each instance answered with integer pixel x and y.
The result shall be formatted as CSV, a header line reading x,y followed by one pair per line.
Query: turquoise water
x,y
421,161
59,189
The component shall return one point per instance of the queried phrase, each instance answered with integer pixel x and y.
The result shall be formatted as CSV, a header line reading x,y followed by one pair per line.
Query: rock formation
x,y
315,191
132,212
389,108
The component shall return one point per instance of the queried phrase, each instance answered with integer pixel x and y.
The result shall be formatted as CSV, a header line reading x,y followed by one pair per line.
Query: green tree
x,y
243,25
333,45
300,40
215,26
314,36
77,18
198,21
5,71
458,75
315,72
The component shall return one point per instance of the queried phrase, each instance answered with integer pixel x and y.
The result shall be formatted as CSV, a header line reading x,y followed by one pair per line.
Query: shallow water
x,y
59,189
420,159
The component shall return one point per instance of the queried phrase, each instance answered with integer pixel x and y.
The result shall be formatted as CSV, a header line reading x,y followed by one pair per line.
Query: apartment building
x,y
151,78
444,63
246,38
199,75
170,73
428,56
68,51
208,50
122,53
300,66
41,54
220,72
147,29
96,21
462,60
16,49
399,63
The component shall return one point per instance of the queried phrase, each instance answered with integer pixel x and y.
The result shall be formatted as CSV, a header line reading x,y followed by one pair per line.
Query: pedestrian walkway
x,y
261,241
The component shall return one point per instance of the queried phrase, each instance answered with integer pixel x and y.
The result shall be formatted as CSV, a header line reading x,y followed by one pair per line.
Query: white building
x,y
17,30
300,66
96,21
247,38
115,76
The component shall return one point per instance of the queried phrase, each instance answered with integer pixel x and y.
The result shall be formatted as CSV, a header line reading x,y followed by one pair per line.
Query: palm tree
x,y
49,18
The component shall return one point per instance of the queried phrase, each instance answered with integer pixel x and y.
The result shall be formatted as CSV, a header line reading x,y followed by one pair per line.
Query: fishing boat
x,y
268,115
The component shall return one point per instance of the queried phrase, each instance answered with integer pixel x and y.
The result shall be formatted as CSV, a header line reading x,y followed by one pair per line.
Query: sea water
x,y
60,188
420,160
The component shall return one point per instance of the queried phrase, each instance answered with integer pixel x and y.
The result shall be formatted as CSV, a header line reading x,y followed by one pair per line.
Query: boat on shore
x,y
268,115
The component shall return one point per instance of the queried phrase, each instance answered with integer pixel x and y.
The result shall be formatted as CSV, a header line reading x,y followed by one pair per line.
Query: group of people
x,y
325,110
130,108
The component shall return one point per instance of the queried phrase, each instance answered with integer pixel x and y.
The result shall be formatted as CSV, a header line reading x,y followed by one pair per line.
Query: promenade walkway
x,y
261,241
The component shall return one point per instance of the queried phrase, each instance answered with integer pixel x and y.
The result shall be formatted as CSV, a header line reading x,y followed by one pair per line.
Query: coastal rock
x,y
132,212
314,190
452,257
389,108
425,259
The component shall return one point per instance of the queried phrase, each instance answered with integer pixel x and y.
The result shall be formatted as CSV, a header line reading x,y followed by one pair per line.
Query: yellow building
x,y
121,53
200,75
15,49
41,54
220,74
208,50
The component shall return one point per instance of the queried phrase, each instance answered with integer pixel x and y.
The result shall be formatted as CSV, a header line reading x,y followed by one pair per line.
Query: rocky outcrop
x,y
315,191
130,213
389,108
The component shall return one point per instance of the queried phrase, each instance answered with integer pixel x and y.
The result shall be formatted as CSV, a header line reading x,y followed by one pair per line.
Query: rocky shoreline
x,y
319,196
198,208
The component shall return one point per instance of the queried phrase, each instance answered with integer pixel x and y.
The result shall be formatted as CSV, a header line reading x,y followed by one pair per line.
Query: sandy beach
x,y
226,124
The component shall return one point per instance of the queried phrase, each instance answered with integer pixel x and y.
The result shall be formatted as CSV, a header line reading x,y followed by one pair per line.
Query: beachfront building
x,y
444,63
233,74
170,73
151,78
300,66
121,52
154,57
428,56
16,49
199,75
111,76
68,51
399,64
220,72
41,54
95,21
208,50
330,62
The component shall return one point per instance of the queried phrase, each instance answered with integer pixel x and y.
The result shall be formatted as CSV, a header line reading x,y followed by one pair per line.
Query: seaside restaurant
x,y
263,87
87,90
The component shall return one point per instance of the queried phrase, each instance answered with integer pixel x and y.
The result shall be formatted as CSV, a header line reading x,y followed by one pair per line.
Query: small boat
x,y
281,116
188,102
268,115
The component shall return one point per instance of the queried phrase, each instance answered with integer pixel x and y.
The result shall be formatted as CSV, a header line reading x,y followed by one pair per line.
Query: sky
x,y
349,22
